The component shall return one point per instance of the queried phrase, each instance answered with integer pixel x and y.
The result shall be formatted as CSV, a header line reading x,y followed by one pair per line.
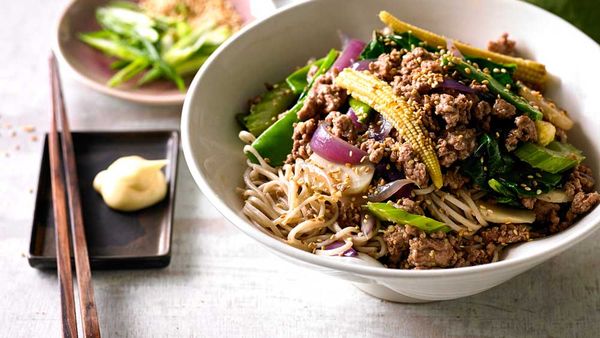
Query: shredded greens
x,y
385,43
496,170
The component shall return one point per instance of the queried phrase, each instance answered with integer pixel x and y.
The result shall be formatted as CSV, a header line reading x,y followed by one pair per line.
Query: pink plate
x,y
92,68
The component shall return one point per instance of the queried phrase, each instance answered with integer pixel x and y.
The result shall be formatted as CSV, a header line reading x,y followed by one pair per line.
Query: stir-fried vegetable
x,y
361,109
335,149
551,112
275,143
556,157
402,187
500,172
546,132
298,80
388,212
264,113
469,71
385,43
499,214
350,179
380,95
527,70
503,73
162,46
555,196
351,53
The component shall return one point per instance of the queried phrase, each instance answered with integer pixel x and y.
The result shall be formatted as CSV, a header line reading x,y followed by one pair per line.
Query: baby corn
x,y
527,70
551,112
380,96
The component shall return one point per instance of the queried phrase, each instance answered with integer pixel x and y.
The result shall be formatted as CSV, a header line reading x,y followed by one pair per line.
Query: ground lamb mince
x,y
323,98
525,131
503,45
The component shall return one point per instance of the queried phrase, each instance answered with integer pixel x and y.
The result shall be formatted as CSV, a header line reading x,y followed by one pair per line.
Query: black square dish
x,y
116,240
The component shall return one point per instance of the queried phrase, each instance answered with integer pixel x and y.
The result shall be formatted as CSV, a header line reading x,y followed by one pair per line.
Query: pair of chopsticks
x,y
60,196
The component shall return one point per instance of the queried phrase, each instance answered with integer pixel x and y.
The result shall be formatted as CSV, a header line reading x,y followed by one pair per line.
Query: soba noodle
x,y
299,205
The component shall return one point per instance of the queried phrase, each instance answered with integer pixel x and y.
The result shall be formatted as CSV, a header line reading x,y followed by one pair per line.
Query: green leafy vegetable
x,y
498,171
556,157
388,212
385,43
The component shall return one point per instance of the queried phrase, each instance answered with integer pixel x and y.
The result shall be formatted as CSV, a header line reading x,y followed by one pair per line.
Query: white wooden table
x,y
210,290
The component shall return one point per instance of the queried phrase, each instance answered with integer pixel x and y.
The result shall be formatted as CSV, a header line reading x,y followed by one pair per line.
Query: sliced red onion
x,y
450,83
335,149
362,64
382,129
367,223
348,253
352,114
452,49
384,192
350,54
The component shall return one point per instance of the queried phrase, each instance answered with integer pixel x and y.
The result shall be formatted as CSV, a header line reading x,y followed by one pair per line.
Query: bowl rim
x,y
280,247
152,99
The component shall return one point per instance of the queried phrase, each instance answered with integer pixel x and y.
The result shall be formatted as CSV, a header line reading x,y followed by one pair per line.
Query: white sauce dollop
x,y
132,183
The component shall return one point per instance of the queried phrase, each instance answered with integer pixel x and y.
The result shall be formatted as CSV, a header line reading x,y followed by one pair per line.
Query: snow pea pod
x,y
297,80
275,143
471,72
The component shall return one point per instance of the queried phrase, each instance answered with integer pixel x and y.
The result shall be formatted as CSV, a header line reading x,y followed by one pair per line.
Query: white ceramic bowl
x,y
268,50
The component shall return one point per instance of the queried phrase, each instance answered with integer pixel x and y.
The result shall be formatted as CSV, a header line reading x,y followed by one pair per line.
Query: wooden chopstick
x,y
87,304
61,230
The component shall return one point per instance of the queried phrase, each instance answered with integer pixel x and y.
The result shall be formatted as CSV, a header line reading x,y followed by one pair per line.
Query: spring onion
x,y
388,212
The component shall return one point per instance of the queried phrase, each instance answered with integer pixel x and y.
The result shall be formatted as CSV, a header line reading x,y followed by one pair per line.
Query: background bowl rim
x,y
279,247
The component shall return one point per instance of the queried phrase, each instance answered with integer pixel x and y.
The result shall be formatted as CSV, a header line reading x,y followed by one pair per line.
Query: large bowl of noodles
x,y
268,50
